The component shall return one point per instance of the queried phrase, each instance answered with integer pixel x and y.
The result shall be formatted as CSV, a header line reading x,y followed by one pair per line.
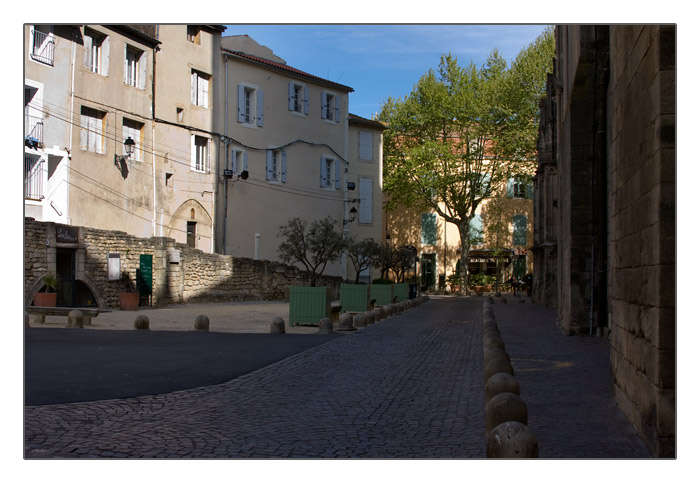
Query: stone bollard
x,y
503,407
201,323
495,353
493,341
277,326
141,323
345,322
501,382
75,319
512,440
359,321
369,317
495,366
377,312
383,313
325,326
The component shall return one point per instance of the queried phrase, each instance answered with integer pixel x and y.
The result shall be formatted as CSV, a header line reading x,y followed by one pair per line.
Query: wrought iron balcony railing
x,y
33,177
43,47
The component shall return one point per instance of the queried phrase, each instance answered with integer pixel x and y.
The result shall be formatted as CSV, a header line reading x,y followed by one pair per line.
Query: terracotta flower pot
x,y
129,300
44,299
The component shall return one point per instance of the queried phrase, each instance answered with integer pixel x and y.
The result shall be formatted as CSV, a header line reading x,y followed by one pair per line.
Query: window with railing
x,y
42,48
33,129
33,177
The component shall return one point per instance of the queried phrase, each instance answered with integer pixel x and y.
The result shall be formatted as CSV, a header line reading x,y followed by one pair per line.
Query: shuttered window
x,y
250,105
133,129
134,67
91,130
298,98
201,151
428,232
365,148
96,52
476,233
200,89
330,173
365,200
276,165
330,106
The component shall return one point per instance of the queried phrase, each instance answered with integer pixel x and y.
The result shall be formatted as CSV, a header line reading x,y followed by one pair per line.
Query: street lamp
x,y
129,146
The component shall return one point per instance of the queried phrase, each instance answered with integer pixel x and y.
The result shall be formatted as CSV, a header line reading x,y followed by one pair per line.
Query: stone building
x,y
604,251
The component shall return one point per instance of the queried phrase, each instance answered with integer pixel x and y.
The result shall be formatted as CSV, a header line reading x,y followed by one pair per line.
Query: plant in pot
x,y
129,297
313,245
46,296
355,297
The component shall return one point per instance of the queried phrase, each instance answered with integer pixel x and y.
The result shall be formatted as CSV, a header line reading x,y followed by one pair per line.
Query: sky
x,y
382,61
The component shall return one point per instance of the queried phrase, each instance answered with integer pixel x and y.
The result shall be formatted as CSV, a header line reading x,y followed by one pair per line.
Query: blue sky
x,y
379,61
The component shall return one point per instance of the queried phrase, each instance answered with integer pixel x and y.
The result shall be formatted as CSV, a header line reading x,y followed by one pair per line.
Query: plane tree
x,y
462,132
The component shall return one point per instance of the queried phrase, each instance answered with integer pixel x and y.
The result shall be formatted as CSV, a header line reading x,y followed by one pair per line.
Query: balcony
x,y
42,47
33,177
34,131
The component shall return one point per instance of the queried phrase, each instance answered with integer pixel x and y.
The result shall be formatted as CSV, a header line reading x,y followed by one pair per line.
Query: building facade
x,y
605,209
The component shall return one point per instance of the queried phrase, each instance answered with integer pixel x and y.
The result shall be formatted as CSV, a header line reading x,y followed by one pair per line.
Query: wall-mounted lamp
x,y
353,216
129,146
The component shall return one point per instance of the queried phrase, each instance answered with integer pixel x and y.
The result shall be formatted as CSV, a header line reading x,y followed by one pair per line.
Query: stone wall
x,y
181,274
642,288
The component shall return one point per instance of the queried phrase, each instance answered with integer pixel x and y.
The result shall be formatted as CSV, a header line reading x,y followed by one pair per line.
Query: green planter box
x,y
308,305
401,291
382,294
354,298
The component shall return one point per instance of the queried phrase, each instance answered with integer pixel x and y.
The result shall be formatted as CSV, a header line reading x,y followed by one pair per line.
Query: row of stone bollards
x,y
348,322
506,413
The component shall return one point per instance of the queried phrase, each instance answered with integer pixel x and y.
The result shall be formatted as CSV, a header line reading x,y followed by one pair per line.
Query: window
x,y
133,129
365,215
201,147
91,129
520,187
276,166
330,173
96,52
519,230
365,148
179,113
42,44
239,160
200,89
134,67
298,98
250,105
330,106
428,232
193,32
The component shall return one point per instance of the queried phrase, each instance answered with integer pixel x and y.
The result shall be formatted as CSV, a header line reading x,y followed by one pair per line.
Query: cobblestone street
x,y
408,387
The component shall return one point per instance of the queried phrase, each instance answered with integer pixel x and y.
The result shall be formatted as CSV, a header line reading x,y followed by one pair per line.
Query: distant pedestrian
x,y
513,284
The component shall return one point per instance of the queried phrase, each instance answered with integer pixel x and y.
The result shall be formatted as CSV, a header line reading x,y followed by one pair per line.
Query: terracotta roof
x,y
355,119
287,69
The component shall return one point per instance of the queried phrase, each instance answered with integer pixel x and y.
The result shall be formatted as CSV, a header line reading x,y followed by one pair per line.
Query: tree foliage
x,y
463,131
363,254
313,245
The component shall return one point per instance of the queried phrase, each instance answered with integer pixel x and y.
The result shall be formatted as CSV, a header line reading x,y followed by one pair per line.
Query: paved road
x,y
408,387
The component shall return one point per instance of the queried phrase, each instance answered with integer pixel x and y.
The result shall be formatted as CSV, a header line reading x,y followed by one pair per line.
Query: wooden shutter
x,y
87,50
269,170
193,152
365,215
337,174
428,233
283,172
324,104
259,108
234,160
337,108
241,103
510,189
365,140
142,63
519,230
476,227
306,101
104,61
324,181
245,160
290,99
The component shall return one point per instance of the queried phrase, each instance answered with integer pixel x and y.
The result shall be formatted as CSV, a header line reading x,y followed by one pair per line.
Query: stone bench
x,y
38,314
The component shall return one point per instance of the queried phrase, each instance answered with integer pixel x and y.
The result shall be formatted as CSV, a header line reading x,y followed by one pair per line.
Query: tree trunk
x,y
464,257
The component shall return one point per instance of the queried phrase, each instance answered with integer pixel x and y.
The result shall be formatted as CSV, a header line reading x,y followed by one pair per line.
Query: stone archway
x,y
191,224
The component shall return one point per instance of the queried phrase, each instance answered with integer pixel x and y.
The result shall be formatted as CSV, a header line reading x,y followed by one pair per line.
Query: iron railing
x,y
43,48
33,177
34,129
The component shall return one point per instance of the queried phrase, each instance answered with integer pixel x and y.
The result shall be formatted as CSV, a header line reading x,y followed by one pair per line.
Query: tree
x,y
462,132
313,245
362,254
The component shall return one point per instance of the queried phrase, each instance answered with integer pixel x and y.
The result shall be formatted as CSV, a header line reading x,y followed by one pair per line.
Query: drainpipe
x,y
153,134
70,128
226,143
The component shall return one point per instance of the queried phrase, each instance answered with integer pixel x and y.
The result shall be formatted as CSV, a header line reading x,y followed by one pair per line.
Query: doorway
x,y
427,268
192,234
70,291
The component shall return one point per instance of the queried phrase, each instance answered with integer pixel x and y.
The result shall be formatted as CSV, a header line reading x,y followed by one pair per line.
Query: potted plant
x,y
312,245
129,297
46,296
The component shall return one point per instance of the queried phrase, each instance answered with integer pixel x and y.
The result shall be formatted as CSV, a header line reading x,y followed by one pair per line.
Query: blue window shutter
x,y
234,161
268,165
284,167
324,104
323,171
428,235
510,193
241,103
259,108
245,160
530,189
337,174
306,101
476,233
519,230
337,108
291,96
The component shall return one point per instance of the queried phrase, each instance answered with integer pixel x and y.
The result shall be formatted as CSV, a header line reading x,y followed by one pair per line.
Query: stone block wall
x,y
642,290
193,276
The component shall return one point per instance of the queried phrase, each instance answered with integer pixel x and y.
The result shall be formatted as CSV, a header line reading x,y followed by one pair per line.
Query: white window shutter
x,y
337,108
324,104
245,160
365,215
306,101
234,160
143,62
207,168
324,182
241,103
104,62
83,131
259,108
291,96
126,64
283,176
193,152
87,50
